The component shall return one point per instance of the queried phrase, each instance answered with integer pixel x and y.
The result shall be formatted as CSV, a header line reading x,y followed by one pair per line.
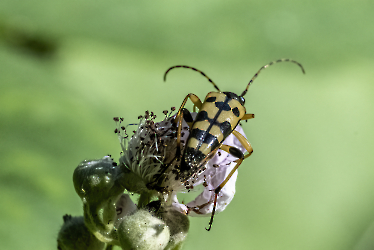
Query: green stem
x,y
144,199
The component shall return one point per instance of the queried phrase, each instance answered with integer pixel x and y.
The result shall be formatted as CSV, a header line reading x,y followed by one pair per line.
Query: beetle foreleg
x,y
194,99
184,112
248,116
186,115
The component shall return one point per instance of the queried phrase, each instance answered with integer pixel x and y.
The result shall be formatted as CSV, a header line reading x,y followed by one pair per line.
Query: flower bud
x,y
74,235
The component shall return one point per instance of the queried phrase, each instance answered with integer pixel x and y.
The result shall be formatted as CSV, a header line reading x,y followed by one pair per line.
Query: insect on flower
x,y
151,166
218,116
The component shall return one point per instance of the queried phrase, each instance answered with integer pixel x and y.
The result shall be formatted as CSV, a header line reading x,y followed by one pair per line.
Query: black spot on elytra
x,y
198,134
225,128
202,116
236,111
223,106
187,115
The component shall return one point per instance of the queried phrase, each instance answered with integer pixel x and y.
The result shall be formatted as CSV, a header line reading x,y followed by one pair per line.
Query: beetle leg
x,y
237,153
194,99
245,143
184,112
248,116
185,115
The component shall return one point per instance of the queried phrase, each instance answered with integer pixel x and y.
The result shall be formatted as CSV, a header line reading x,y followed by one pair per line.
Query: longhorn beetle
x,y
217,118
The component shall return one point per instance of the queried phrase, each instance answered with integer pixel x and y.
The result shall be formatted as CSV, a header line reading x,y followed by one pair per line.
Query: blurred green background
x,y
67,67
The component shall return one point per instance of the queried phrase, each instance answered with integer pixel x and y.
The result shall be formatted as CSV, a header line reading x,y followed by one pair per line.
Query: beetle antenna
x,y
188,67
267,65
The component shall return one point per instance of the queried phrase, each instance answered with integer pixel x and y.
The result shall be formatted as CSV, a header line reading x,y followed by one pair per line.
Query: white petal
x,y
178,206
125,206
203,204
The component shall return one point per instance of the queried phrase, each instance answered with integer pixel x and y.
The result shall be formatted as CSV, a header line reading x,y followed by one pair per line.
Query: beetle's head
x,y
234,96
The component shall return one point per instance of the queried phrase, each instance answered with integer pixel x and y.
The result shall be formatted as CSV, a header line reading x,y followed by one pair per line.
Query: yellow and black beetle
x,y
217,118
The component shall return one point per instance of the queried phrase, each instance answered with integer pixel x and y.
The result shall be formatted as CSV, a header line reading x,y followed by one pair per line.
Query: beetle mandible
x,y
217,118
